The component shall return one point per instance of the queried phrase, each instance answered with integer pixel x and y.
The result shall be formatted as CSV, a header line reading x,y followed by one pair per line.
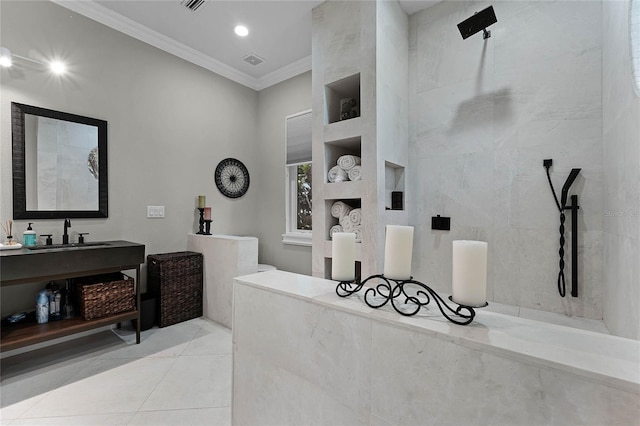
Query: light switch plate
x,y
155,211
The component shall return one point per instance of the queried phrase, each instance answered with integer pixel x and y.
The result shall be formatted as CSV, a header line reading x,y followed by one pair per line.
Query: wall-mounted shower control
x,y
441,223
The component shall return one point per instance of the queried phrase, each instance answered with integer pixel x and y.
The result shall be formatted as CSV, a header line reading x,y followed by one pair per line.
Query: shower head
x,y
567,184
478,22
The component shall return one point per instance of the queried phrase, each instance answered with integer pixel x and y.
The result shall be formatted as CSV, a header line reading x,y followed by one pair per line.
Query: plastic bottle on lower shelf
x,y
42,307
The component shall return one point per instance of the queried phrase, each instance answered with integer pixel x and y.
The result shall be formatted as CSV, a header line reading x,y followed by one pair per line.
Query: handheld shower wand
x,y
562,206
567,184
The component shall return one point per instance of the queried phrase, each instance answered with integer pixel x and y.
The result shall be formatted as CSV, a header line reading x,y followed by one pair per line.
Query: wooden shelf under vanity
x,y
24,334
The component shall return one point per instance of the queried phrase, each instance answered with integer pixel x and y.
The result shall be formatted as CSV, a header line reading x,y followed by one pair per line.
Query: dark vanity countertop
x,y
26,265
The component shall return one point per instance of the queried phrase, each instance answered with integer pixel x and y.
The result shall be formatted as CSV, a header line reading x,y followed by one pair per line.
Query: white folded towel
x,y
347,225
358,231
354,173
356,216
348,162
336,174
339,209
334,229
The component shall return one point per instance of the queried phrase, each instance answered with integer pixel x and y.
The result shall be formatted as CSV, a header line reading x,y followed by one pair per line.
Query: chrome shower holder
x,y
394,291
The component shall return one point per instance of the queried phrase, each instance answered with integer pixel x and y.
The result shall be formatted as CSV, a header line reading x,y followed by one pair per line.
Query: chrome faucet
x,y
65,236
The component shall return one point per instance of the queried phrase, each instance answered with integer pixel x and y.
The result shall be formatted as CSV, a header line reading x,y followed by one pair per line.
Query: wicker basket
x,y
101,296
176,281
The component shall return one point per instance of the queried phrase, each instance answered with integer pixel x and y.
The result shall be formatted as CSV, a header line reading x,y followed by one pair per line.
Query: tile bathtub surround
x,y
177,375
486,113
309,348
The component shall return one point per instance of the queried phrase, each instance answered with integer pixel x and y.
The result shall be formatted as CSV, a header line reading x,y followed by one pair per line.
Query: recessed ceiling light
x,y
241,31
57,67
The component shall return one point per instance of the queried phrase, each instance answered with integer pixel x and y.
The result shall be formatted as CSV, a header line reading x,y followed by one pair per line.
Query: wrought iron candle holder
x,y
393,291
201,223
207,226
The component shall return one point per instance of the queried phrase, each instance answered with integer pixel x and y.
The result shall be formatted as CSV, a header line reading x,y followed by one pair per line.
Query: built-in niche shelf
x,y
336,92
393,183
330,221
337,148
343,129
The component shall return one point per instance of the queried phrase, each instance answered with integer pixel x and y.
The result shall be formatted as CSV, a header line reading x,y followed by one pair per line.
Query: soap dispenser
x,y
29,236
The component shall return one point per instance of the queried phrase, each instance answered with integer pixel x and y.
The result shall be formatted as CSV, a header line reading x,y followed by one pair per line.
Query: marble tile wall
x,y
621,158
485,113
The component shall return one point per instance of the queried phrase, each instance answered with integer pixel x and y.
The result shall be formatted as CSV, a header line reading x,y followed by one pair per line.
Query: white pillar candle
x,y
469,278
398,249
343,253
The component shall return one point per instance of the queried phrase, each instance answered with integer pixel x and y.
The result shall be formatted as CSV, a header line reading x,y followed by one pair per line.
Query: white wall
x,y
274,104
169,124
621,165
484,116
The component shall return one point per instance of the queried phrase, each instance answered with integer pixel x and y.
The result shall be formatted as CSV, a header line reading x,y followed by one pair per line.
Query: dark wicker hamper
x,y
176,281
105,295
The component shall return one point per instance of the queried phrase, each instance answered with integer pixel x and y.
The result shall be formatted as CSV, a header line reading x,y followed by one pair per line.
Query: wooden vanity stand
x,y
25,265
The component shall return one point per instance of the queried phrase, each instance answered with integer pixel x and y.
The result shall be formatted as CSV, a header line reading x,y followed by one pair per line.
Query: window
x,y
299,180
634,33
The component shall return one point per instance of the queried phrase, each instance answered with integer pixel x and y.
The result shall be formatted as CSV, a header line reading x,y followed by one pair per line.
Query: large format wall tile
x,y
487,112
621,158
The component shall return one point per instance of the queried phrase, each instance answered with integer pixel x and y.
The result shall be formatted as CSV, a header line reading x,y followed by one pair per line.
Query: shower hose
x,y
561,282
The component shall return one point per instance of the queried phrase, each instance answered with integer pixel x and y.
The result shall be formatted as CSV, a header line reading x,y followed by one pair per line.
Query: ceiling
x,y
280,32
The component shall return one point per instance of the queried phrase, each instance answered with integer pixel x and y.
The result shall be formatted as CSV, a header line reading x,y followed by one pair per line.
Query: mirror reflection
x,y
59,164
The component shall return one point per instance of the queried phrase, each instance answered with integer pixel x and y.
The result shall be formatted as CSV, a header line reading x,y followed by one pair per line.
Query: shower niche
x,y
393,186
342,99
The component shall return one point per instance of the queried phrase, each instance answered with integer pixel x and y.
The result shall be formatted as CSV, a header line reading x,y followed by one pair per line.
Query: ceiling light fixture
x,y
6,60
241,31
57,67
5,57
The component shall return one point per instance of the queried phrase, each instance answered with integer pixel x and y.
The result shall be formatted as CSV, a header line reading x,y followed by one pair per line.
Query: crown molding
x,y
101,14
288,71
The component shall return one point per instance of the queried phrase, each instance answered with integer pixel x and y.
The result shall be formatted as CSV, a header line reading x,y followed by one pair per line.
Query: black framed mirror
x,y
59,164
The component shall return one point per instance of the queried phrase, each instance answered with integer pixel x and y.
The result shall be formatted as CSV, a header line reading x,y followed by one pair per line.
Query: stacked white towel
x,y
347,225
358,231
356,216
348,168
348,162
354,173
339,209
350,220
336,174
334,229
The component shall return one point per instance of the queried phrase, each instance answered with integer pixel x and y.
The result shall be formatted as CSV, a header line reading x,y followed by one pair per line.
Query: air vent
x,y
192,5
253,59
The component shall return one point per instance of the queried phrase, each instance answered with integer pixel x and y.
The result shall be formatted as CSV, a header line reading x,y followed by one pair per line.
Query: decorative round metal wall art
x,y
232,178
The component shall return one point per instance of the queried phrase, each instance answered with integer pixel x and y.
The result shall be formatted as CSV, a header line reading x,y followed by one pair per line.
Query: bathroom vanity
x,y
46,263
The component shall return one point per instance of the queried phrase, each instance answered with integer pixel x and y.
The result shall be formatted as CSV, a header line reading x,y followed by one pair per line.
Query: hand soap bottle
x,y
29,236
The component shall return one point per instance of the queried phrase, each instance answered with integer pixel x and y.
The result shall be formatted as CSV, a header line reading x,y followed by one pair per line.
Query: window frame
x,y
293,235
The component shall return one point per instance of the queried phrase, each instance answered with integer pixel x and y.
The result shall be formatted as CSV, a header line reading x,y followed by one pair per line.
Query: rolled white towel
x,y
356,216
348,162
339,209
347,225
336,174
334,229
358,231
354,173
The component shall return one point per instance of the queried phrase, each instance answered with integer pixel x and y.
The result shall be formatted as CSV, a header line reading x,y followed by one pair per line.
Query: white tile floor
x,y
178,375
